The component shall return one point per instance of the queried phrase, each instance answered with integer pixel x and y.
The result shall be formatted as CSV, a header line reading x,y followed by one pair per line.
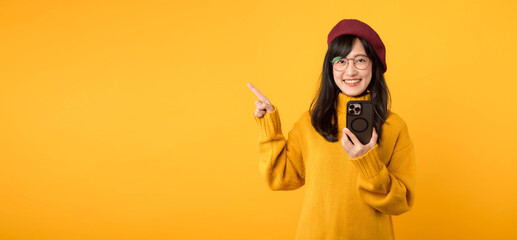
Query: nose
x,y
350,67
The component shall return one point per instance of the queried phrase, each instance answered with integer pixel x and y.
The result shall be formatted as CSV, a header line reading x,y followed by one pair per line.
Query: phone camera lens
x,y
357,109
351,107
351,112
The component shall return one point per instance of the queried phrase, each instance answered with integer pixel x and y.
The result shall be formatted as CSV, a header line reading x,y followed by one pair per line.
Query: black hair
x,y
324,105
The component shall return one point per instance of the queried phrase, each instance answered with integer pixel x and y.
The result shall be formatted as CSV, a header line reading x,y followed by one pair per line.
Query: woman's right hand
x,y
263,104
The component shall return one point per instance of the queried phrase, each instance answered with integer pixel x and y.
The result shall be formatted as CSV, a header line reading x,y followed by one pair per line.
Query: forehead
x,y
357,49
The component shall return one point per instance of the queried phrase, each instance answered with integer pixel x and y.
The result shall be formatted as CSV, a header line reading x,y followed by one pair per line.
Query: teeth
x,y
352,81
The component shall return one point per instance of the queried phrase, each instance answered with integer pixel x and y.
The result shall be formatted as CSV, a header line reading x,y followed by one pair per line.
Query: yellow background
x,y
132,119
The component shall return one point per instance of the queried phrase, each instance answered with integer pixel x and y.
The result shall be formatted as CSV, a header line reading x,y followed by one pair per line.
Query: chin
x,y
353,92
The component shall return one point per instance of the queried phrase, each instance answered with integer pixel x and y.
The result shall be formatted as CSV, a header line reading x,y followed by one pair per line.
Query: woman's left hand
x,y
355,148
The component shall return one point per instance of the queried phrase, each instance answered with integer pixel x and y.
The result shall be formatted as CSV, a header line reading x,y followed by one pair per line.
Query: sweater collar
x,y
343,99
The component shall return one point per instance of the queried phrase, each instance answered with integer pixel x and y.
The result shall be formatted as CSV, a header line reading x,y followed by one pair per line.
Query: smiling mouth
x,y
352,81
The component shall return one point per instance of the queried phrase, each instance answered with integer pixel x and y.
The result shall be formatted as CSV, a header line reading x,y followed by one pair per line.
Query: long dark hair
x,y
324,105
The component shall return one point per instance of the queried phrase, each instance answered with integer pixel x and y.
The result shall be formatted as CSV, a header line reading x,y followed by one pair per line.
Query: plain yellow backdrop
x,y
132,119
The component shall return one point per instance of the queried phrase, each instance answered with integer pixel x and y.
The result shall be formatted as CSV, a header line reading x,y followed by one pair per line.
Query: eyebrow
x,y
339,57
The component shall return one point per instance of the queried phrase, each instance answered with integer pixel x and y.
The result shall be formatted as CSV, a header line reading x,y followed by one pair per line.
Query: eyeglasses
x,y
361,62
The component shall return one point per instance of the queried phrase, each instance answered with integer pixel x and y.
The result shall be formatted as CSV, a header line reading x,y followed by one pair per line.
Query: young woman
x,y
352,189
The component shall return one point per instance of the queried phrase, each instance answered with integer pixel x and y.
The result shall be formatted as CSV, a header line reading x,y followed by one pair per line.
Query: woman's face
x,y
353,81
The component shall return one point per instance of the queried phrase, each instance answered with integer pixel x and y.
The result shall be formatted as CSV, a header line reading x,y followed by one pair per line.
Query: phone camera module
x,y
354,109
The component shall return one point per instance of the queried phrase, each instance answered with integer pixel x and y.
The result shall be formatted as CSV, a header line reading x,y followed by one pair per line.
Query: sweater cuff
x,y
270,123
369,164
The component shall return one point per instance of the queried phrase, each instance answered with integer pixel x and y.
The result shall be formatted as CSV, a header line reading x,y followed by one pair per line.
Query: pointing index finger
x,y
257,93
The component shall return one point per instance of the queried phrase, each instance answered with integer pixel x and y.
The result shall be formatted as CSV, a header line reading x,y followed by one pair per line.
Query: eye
x,y
361,60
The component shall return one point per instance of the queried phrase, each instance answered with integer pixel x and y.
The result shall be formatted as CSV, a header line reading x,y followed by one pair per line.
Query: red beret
x,y
362,30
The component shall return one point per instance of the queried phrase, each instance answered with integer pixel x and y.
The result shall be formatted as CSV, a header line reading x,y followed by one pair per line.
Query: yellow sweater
x,y
345,198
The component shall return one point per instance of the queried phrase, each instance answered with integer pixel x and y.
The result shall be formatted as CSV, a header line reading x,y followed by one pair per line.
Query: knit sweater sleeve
x,y
280,159
389,189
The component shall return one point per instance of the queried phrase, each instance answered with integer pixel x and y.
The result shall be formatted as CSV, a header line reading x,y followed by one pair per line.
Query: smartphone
x,y
359,119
